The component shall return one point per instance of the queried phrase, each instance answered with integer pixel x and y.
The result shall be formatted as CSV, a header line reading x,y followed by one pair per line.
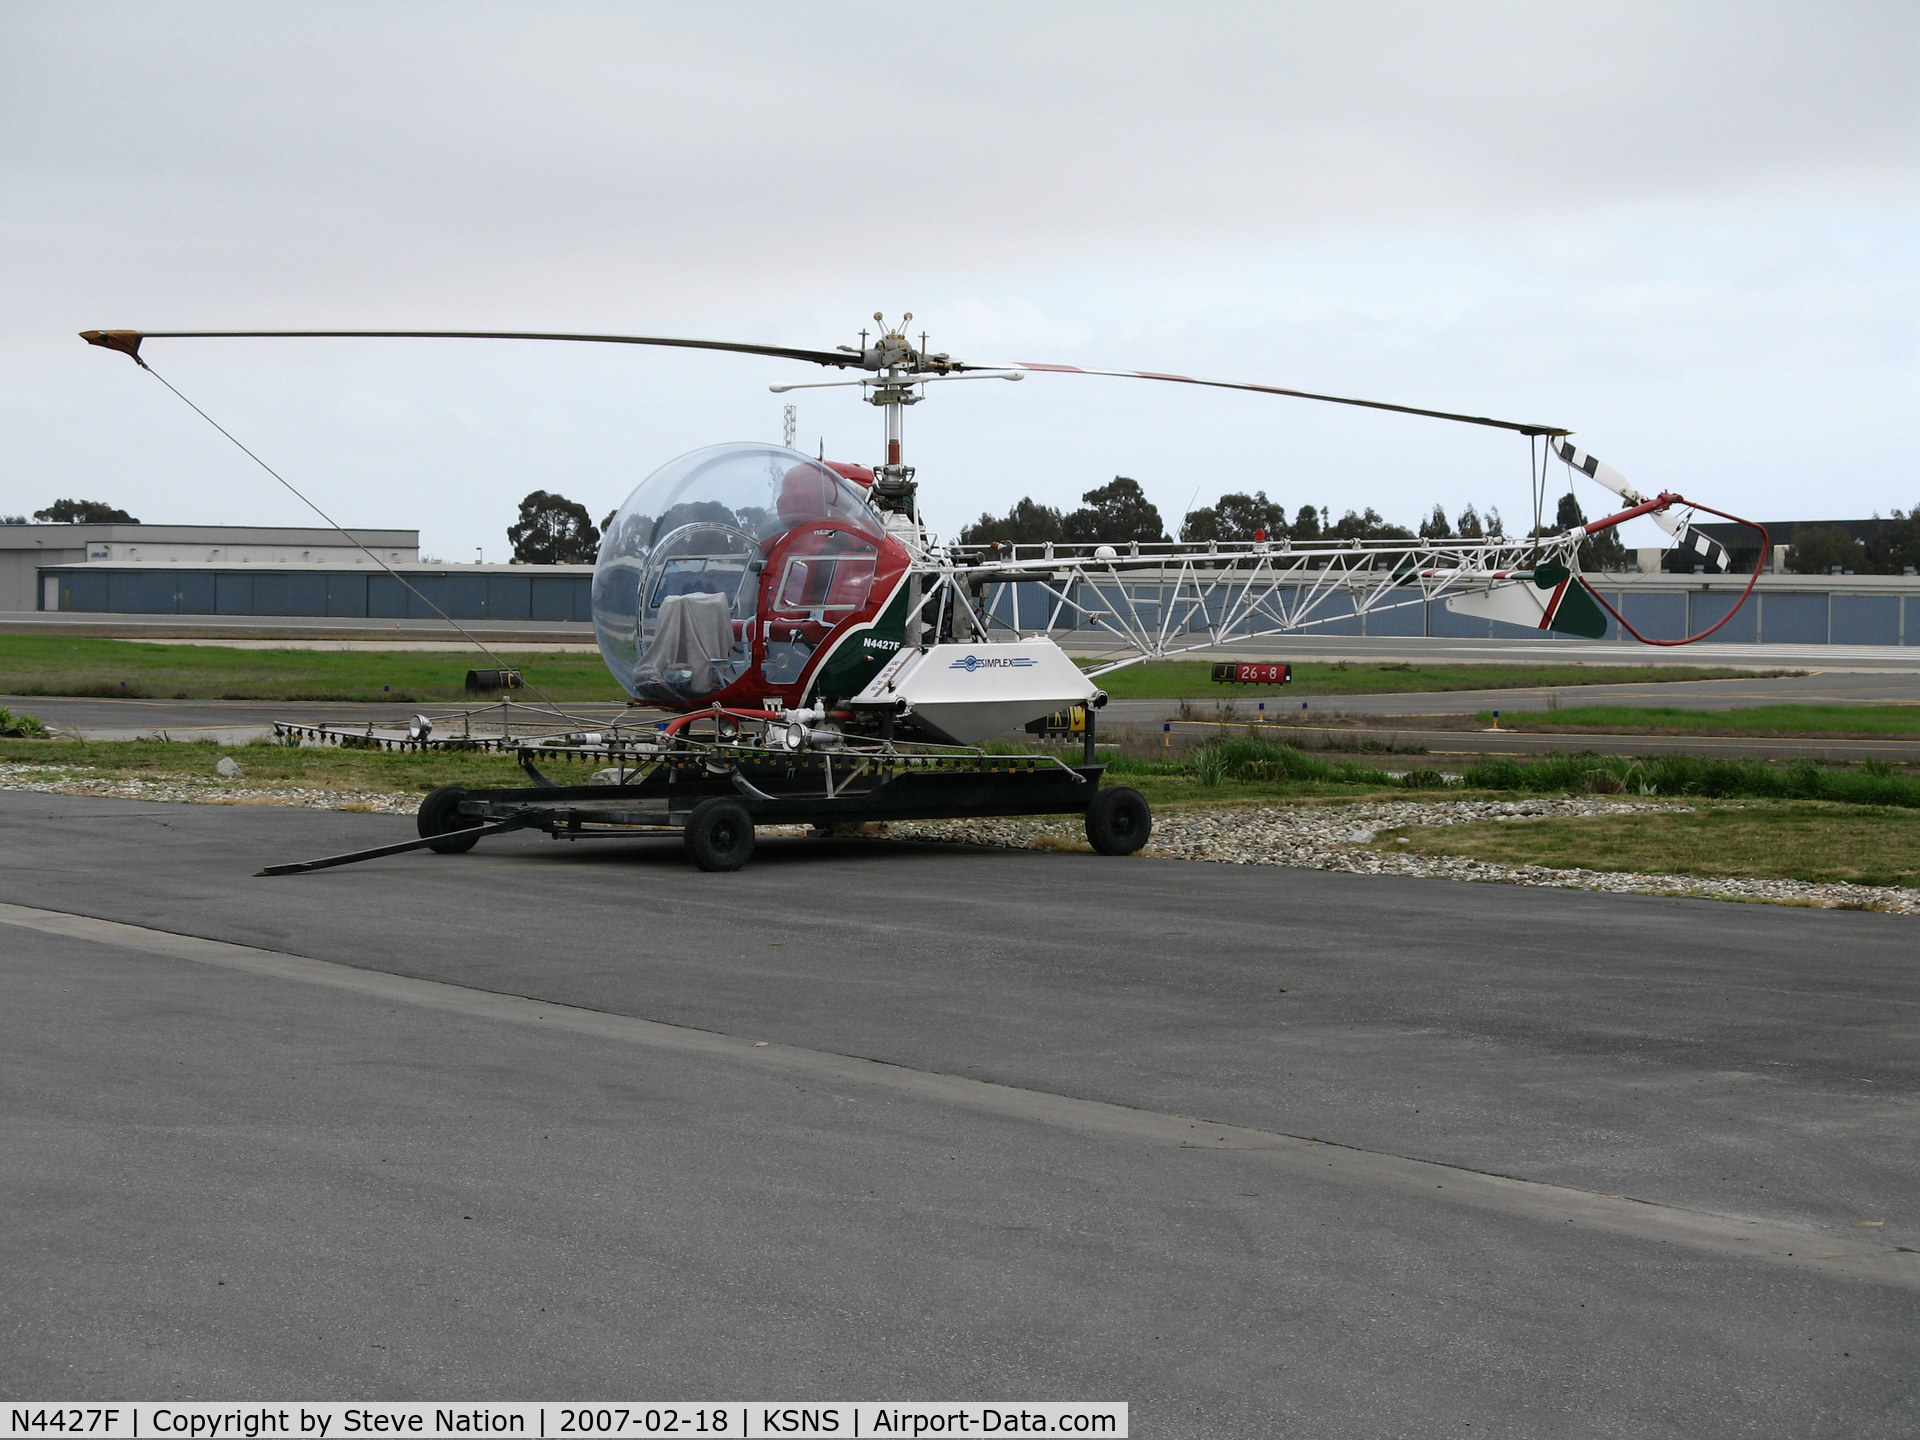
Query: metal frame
x,y
1213,596
796,790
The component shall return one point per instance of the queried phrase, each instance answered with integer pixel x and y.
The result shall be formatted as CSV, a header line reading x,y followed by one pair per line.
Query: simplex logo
x,y
971,663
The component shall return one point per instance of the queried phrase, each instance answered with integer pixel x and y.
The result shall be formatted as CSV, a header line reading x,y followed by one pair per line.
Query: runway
x,y
512,634
1465,745
1818,688
1378,649
106,717
236,722
888,1120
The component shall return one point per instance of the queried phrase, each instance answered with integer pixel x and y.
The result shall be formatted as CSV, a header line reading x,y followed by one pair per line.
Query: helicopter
x,y
756,579
801,608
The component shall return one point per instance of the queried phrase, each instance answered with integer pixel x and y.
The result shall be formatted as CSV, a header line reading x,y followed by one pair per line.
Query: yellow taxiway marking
x,y
1854,1256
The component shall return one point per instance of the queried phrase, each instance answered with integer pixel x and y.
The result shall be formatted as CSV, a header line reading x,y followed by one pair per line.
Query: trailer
x,y
715,793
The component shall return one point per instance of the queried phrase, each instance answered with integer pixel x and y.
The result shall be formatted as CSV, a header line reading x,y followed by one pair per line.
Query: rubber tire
x,y
439,814
1119,820
719,834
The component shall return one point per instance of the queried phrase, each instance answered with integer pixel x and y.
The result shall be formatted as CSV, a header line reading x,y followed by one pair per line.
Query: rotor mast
x,y
897,362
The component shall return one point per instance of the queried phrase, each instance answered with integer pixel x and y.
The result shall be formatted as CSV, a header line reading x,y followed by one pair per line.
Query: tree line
x,y
75,512
1890,547
553,530
1120,512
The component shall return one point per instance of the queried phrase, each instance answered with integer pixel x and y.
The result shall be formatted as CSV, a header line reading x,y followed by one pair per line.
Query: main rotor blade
x,y
1516,425
128,341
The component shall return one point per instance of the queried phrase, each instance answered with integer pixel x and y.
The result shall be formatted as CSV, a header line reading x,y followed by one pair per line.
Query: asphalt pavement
x,y
1539,650
1259,1151
1447,745
1817,688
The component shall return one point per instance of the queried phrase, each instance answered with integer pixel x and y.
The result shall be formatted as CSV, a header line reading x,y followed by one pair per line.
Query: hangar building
x,y
240,570
258,570
28,550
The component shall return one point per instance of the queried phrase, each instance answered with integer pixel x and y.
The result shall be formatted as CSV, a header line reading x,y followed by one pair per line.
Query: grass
x,y
61,665
1871,782
1193,679
1233,769
1756,719
20,727
1860,845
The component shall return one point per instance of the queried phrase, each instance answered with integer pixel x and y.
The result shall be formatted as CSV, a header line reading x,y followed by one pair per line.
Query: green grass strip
x,y
1791,840
69,665
1789,719
1871,782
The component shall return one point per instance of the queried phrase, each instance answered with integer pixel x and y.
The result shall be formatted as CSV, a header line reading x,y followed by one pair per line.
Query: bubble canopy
x,y
676,590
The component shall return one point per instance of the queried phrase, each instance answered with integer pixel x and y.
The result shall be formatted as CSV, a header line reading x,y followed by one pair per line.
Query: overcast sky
x,y
1689,232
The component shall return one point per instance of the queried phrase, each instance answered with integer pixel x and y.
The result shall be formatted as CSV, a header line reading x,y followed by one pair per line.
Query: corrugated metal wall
x,y
286,591
1772,617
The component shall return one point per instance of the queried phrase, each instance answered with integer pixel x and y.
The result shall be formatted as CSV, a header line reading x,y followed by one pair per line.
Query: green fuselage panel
x,y
856,656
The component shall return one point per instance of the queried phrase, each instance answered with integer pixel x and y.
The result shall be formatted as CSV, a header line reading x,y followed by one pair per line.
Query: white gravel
x,y
1314,837
58,780
1336,837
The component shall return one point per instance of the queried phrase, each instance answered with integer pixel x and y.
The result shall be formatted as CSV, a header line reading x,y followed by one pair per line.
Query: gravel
x,y
1314,837
1335,837
208,791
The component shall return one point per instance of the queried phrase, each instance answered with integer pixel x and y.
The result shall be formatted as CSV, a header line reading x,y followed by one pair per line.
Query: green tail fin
x,y
1577,612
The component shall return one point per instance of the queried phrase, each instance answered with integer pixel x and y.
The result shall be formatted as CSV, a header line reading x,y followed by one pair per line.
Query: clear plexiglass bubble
x,y
676,588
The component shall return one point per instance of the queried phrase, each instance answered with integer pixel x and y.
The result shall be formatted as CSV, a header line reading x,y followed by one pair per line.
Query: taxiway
x,y
876,1119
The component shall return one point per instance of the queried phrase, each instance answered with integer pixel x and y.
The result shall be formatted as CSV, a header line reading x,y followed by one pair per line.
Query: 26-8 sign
x,y
1233,674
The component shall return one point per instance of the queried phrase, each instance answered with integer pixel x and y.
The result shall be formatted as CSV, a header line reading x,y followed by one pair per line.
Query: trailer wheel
x,y
719,834
1119,821
440,815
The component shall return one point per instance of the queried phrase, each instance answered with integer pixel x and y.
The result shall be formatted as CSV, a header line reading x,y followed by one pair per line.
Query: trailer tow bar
x,y
299,867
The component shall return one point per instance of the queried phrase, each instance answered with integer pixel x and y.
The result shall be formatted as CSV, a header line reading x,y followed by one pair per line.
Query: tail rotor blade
x,y
1598,472
1710,551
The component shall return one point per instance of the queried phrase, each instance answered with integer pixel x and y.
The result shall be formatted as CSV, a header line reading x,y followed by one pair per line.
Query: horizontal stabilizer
x,y
1512,602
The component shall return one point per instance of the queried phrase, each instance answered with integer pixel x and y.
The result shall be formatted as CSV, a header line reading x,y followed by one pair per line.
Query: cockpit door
x,y
817,578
